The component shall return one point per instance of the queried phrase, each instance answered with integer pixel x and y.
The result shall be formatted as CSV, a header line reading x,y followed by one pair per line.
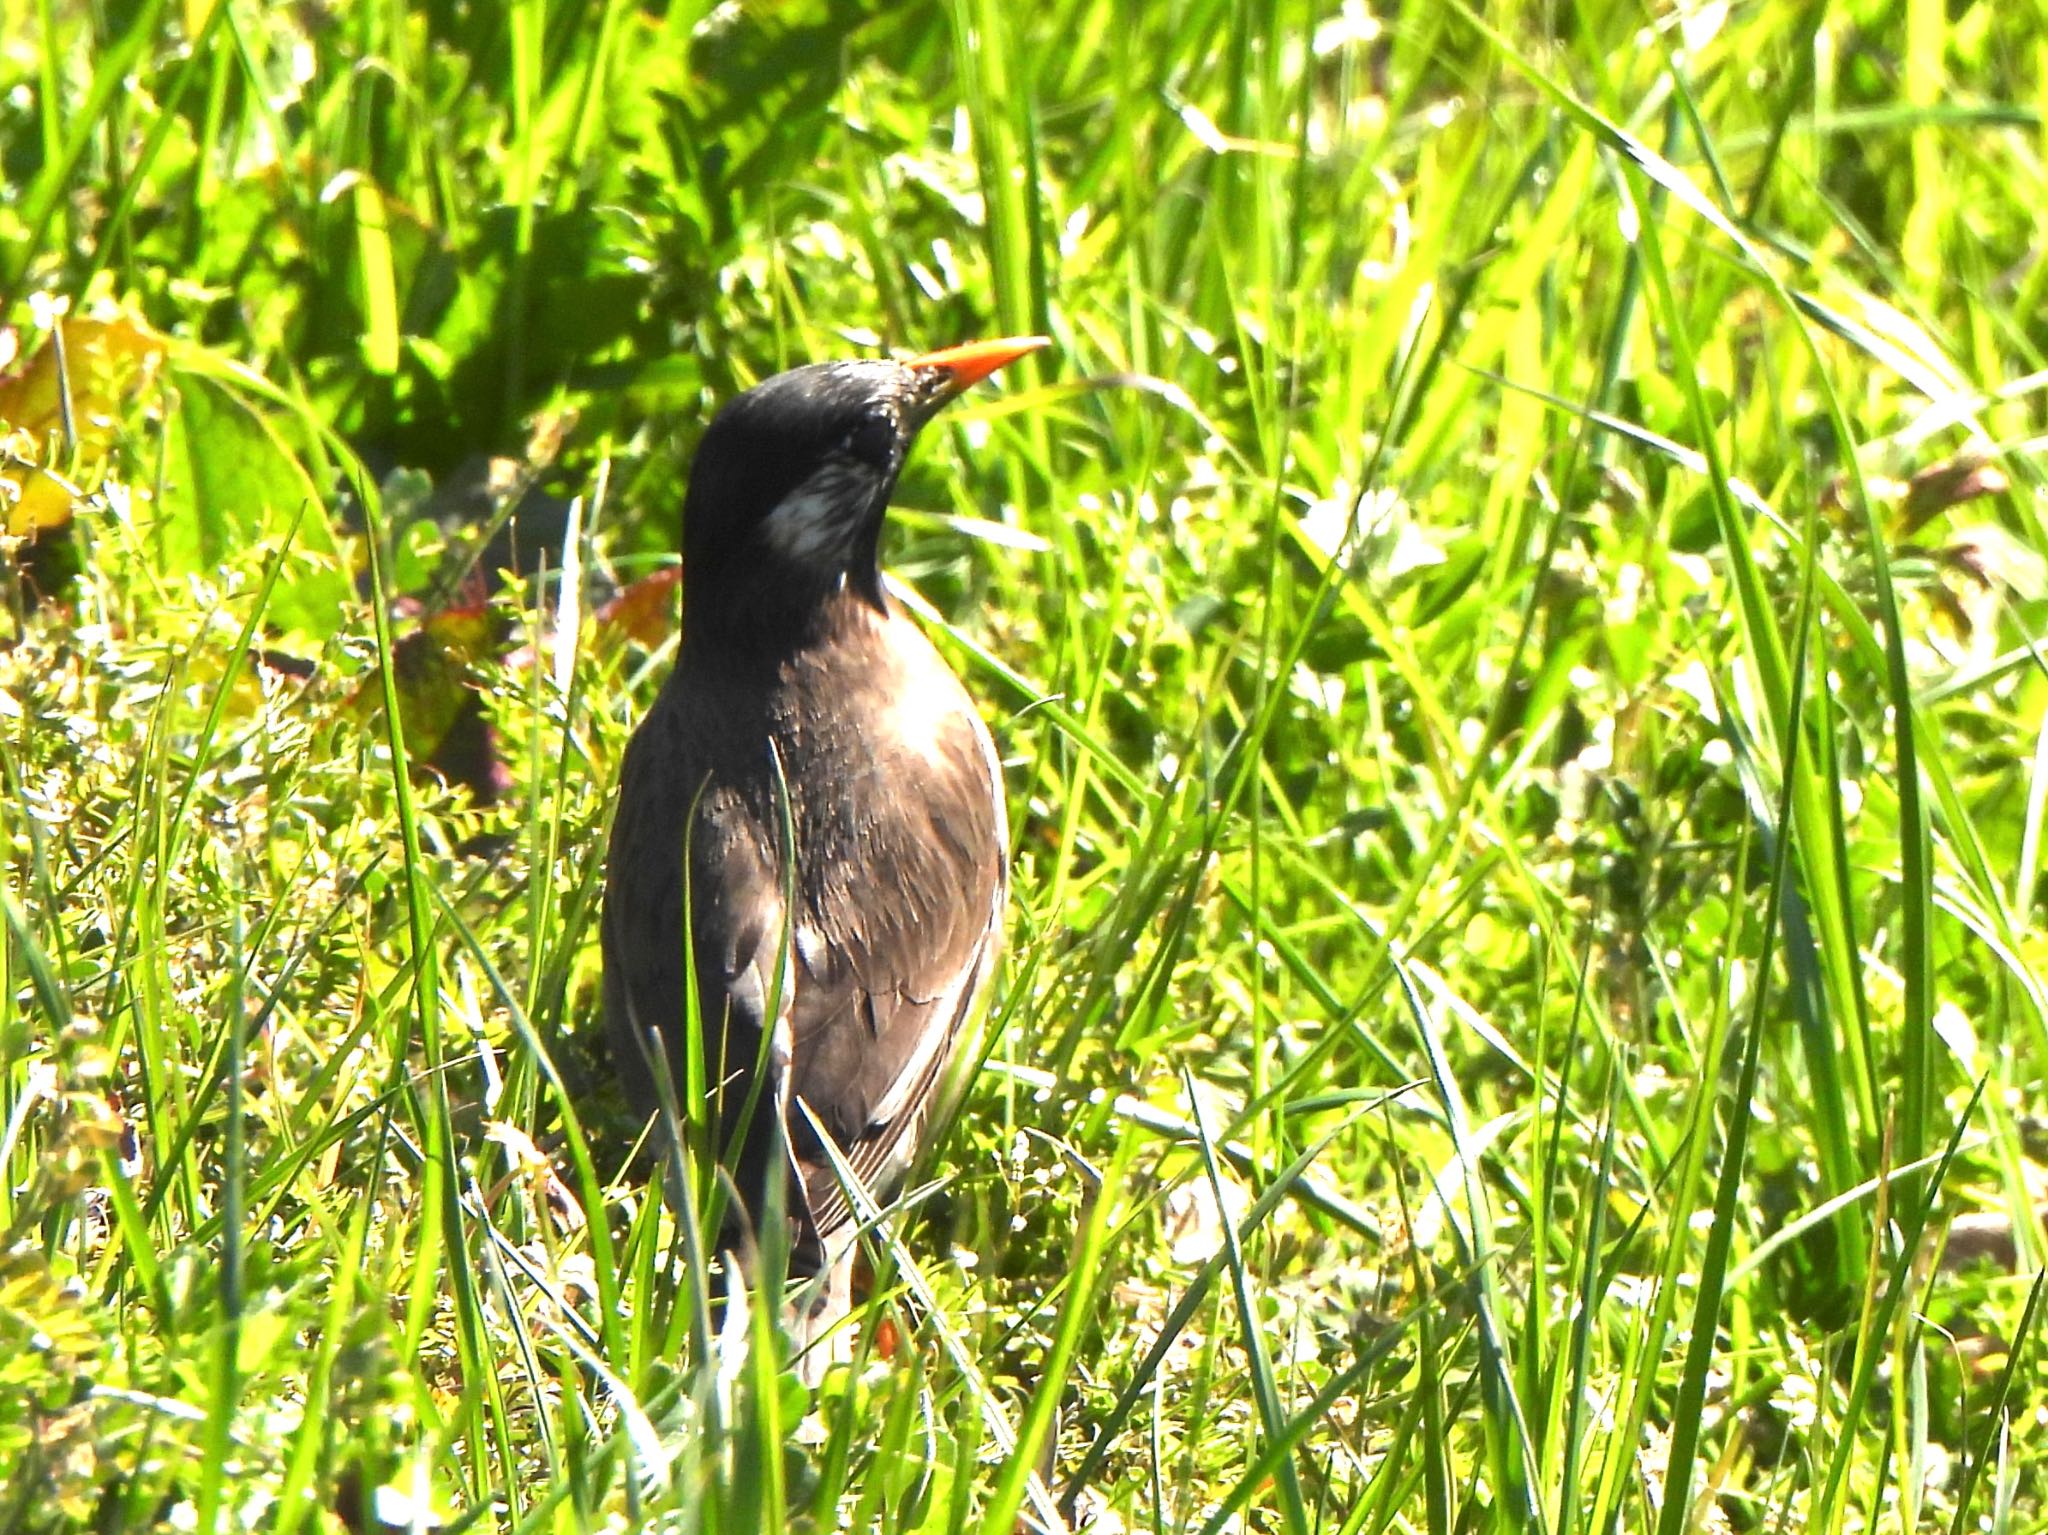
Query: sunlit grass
x,y
1508,612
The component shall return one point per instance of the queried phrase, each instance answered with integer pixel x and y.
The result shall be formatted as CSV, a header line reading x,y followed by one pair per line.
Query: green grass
x,y
1509,611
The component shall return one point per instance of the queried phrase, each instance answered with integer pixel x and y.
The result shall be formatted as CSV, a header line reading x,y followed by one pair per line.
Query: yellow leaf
x,y
103,360
34,500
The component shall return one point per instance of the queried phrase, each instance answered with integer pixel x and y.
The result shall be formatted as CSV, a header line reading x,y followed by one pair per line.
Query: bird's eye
x,y
873,440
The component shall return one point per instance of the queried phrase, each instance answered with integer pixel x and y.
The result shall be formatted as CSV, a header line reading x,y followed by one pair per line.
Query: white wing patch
x,y
810,948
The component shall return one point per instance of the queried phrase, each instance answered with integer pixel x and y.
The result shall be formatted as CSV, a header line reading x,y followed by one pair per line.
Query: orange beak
x,y
970,364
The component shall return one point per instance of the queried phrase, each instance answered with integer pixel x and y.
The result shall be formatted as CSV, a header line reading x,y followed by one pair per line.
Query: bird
x,y
811,819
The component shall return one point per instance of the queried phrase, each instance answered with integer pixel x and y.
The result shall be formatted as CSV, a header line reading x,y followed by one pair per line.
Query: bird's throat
x,y
774,613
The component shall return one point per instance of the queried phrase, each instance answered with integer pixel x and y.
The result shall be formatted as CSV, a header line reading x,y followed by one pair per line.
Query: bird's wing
x,y
899,931
735,930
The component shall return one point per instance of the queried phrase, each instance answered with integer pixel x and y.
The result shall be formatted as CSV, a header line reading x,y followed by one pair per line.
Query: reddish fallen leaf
x,y
447,730
888,1339
645,611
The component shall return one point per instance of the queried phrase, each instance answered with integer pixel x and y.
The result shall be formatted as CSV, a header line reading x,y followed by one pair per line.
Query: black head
x,y
793,477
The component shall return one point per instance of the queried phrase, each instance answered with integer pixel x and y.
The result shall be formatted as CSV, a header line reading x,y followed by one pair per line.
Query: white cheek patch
x,y
816,523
